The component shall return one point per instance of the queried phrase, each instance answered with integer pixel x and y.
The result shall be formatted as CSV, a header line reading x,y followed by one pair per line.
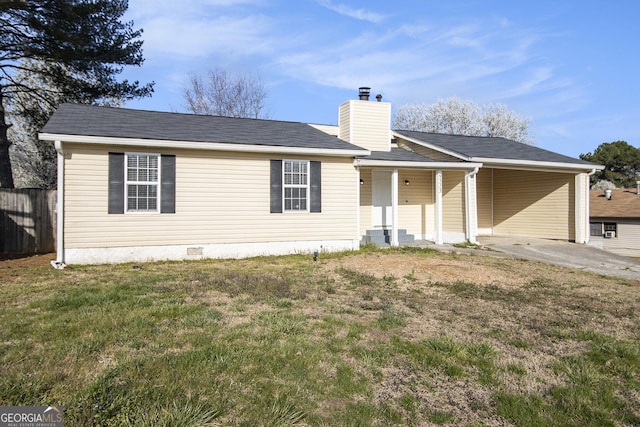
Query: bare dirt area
x,y
12,265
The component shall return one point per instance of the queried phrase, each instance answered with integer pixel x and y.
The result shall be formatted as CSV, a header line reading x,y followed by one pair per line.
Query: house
x,y
615,221
142,185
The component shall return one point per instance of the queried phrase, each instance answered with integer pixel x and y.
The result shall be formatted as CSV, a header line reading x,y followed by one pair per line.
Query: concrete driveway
x,y
565,254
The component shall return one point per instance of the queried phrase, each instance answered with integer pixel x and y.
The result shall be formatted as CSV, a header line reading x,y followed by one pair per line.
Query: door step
x,y
382,237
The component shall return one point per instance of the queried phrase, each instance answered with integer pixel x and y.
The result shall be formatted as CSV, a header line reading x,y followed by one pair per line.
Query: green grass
x,y
285,341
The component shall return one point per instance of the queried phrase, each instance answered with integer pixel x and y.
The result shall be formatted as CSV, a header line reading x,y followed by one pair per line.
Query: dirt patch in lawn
x,y
11,266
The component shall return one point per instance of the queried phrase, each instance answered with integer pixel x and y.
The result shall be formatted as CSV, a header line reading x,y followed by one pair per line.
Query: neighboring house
x,y
141,185
615,221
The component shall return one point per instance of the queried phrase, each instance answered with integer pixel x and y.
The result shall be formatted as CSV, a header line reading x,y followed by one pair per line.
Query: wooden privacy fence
x,y
27,221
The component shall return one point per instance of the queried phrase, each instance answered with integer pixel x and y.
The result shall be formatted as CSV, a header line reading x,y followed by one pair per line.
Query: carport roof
x,y
483,148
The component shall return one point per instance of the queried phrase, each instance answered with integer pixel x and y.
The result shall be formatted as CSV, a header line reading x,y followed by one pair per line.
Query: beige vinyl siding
x,y
344,124
220,198
453,206
415,201
366,201
366,124
627,240
427,152
536,204
484,194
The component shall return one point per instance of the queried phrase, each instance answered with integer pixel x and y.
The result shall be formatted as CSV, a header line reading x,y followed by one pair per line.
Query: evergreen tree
x,y
621,163
54,51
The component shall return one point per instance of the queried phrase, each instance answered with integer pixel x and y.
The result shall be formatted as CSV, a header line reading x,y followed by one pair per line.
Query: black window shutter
x,y
316,187
116,183
276,186
168,184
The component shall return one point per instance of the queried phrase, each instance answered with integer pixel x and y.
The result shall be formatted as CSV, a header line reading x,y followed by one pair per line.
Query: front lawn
x,y
379,337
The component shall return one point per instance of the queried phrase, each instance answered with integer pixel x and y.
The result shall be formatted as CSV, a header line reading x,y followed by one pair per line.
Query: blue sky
x,y
572,67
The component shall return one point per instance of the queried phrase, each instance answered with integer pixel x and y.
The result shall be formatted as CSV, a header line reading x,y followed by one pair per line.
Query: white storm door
x,y
381,199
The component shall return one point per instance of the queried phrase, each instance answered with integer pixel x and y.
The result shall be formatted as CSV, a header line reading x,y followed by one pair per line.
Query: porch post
x,y
438,231
471,206
394,208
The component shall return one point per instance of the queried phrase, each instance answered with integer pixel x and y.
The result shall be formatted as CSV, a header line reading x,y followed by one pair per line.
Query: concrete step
x,y
383,237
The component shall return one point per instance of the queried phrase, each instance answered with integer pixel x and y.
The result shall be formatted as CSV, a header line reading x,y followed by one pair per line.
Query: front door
x,y
381,199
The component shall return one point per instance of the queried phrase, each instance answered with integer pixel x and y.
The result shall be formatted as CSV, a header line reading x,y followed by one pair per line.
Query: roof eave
x,y
421,165
194,145
534,165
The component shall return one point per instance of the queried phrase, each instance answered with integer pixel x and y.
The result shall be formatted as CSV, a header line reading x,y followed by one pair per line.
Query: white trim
x,y
535,165
156,183
394,208
305,187
432,146
438,231
422,165
210,251
471,205
357,202
59,263
212,146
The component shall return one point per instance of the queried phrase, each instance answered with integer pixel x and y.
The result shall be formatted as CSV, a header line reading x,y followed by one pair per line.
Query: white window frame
x,y
306,186
127,182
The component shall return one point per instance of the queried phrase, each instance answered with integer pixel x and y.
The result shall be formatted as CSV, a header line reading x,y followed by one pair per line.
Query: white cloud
x,y
168,37
359,14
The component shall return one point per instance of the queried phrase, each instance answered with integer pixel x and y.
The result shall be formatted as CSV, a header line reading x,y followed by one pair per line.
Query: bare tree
x,y
220,94
499,121
463,117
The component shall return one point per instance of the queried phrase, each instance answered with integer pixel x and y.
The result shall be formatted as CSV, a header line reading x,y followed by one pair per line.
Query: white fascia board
x,y
421,165
536,165
213,146
431,146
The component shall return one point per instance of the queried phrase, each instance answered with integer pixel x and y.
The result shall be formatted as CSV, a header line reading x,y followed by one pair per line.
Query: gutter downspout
x,y
357,234
59,264
471,205
394,209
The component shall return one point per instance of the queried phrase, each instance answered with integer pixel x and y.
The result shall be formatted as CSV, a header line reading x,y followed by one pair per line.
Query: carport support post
x,y
471,205
394,208
438,237
581,227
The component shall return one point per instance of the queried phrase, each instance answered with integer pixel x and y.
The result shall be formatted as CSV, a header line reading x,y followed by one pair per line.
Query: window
x,y
143,171
295,185
596,229
604,229
142,182
610,229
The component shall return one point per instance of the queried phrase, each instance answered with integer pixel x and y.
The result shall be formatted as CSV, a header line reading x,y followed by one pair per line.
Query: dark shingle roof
x,y
78,119
492,148
397,155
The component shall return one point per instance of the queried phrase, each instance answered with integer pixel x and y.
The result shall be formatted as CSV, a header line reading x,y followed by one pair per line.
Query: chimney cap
x,y
363,93
379,97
